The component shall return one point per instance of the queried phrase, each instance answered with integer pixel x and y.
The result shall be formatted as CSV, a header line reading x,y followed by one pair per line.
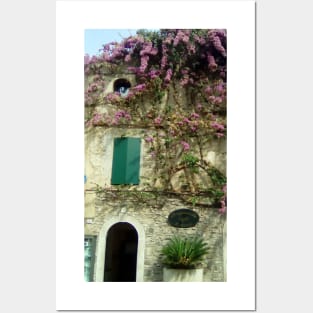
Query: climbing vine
x,y
179,99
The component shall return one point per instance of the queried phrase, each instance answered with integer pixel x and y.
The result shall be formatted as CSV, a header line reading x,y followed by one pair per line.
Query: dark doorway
x,y
121,253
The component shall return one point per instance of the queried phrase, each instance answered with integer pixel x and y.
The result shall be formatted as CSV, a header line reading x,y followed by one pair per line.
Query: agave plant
x,y
184,253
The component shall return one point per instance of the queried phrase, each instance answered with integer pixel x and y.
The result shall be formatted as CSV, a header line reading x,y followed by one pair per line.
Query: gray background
x,y
284,156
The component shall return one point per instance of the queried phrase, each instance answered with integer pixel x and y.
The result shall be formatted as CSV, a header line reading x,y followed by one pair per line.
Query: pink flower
x,y
154,51
217,126
222,210
211,98
200,40
133,69
140,87
121,114
144,63
217,100
113,96
185,145
96,118
184,81
168,76
130,94
147,49
218,45
87,59
185,39
93,59
154,74
223,207
219,88
212,64
208,90
158,120
149,139
168,39
127,58
163,61
223,74
194,115
192,49
199,106
180,36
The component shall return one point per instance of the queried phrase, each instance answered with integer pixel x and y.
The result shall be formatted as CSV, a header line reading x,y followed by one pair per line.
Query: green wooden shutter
x,y
119,161
133,161
126,161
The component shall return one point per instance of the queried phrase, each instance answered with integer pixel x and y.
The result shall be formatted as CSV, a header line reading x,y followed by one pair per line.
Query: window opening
x,y
122,86
89,248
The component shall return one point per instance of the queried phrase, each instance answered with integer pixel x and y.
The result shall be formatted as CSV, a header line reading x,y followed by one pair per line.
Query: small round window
x,y
122,86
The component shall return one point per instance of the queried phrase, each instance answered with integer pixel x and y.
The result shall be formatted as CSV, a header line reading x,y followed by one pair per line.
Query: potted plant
x,y
182,258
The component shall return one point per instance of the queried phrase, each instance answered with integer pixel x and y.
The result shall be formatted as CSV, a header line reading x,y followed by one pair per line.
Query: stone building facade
x,y
126,225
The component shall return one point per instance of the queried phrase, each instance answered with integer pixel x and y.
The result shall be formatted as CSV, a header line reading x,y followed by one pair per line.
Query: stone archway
x,y
122,225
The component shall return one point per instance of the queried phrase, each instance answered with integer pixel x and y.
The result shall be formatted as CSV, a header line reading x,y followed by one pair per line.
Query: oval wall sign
x,y
183,218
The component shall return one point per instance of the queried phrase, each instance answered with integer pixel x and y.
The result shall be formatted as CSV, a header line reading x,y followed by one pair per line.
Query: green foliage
x,y
147,34
155,90
216,194
189,160
217,178
184,253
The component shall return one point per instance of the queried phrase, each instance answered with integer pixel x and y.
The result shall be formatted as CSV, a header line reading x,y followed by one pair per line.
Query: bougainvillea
x,y
166,64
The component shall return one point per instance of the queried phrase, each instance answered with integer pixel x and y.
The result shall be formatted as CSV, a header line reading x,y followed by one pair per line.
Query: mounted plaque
x,y
183,218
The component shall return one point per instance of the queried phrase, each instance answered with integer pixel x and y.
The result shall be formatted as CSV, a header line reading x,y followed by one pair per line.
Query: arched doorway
x,y
102,241
121,253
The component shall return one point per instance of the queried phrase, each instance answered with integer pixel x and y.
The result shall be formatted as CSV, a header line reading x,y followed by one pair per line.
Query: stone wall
x,y
157,231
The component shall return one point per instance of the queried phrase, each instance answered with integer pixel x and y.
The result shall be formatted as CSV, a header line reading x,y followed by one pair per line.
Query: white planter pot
x,y
182,275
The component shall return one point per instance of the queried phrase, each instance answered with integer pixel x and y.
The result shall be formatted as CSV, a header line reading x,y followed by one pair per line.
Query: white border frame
x,y
238,17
